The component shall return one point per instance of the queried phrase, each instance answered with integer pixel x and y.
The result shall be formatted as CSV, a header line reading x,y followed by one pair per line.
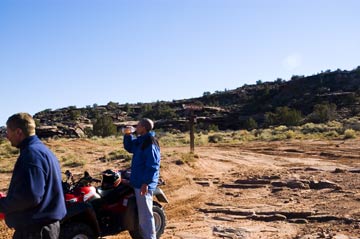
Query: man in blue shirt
x,y
35,203
145,166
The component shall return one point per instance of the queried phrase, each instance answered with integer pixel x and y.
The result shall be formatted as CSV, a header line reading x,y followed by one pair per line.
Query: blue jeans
x,y
145,213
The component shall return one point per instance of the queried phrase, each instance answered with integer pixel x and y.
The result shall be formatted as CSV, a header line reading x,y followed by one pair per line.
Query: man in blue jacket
x,y
145,166
35,203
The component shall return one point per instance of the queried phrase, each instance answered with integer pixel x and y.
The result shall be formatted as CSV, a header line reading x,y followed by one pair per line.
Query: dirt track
x,y
291,189
295,189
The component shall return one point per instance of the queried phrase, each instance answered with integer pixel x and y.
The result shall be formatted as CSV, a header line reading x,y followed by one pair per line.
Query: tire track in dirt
x,y
224,165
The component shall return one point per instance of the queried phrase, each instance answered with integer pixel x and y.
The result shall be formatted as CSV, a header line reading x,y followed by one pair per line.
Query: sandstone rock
x,y
243,186
299,220
339,170
323,184
252,181
268,218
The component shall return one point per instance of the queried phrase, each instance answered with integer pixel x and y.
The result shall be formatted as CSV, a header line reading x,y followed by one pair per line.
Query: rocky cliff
x,y
224,110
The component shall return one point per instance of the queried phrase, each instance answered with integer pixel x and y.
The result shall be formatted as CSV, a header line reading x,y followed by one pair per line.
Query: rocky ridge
x,y
226,110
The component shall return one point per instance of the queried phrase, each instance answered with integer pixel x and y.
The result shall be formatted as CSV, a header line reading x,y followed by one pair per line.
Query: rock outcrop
x,y
225,110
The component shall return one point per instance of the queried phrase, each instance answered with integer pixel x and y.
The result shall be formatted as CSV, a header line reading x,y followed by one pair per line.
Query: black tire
x,y
76,230
160,220
160,223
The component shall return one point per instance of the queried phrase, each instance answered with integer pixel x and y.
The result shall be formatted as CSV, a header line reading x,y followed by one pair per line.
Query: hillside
x,y
321,97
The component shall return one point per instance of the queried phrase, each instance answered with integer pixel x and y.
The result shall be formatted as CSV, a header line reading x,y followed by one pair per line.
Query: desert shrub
x,y
330,129
7,151
88,132
75,114
281,128
205,132
352,123
216,138
250,124
311,128
265,134
169,139
278,133
118,155
331,134
290,134
279,136
201,139
349,134
213,127
72,161
323,113
283,116
104,127
241,135
334,124
187,158
160,110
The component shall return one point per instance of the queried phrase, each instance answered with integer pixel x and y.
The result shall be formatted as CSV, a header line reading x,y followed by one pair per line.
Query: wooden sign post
x,y
192,119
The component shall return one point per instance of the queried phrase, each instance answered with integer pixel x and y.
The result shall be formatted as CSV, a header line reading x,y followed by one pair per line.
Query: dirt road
x,y
290,189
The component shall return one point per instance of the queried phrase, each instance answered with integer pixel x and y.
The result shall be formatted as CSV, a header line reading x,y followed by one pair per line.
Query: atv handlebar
x,y
69,184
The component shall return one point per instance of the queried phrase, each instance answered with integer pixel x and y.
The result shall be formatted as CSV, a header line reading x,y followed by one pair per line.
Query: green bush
x,y
216,138
265,134
311,128
89,132
283,116
349,134
250,124
160,110
331,134
241,135
323,113
290,134
104,127
281,128
213,127
352,123
75,114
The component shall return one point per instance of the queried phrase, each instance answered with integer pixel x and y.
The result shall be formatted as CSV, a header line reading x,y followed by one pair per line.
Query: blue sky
x,y
59,53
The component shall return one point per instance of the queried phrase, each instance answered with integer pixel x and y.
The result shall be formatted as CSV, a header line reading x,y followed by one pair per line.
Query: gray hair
x,y
147,123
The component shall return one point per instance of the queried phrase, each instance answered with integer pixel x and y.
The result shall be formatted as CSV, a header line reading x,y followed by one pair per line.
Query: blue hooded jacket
x,y
35,196
145,164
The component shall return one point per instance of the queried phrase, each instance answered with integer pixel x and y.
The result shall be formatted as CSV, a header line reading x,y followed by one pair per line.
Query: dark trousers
x,y
50,231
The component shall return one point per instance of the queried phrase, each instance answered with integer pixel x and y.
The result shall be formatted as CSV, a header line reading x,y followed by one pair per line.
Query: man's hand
x,y
144,189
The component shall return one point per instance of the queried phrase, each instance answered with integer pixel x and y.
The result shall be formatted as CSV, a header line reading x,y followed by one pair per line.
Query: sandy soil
x,y
290,189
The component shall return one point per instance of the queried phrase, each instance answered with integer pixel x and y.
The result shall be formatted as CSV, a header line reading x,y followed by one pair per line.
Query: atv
x,y
105,210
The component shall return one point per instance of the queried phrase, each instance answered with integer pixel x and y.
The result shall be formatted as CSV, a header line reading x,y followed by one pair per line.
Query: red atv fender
x,y
2,215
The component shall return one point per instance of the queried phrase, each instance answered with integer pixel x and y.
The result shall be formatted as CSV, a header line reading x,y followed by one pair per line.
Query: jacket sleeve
x,y
152,164
25,193
128,143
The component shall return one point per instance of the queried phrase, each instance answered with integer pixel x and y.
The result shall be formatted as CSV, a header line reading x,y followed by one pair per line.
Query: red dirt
x,y
281,189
